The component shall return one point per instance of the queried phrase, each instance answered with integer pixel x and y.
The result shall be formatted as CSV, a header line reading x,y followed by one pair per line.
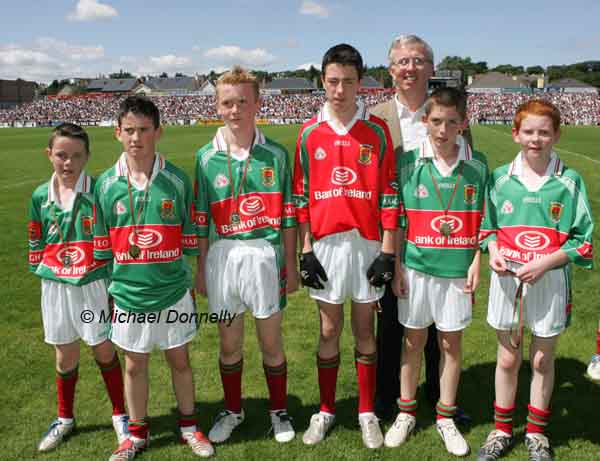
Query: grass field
x,y
27,381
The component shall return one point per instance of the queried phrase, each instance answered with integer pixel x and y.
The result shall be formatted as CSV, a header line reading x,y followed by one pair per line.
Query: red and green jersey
x,y
48,251
423,212
528,224
263,203
159,276
344,177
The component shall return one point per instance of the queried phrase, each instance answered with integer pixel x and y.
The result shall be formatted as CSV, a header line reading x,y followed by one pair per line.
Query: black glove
x,y
381,271
311,270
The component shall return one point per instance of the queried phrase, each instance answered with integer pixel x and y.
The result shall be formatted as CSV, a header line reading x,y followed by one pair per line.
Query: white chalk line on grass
x,y
559,149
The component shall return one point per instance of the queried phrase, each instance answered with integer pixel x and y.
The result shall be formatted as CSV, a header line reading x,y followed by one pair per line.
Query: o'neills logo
x,y
73,254
251,206
532,240
455,223
147,238
343,176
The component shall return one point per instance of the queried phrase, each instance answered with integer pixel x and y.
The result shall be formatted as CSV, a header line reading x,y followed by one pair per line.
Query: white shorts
x,y
546,303
436,300
244,274
71,312
346,257
167,329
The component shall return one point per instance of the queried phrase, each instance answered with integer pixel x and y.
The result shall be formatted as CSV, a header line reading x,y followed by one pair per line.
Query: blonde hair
x,y
237,76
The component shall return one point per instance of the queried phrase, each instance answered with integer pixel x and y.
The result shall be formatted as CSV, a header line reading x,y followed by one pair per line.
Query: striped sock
x,y
408,406
327,370
277,383
65,392
138,428
231,377
537,420
445,411
598,341
366,373
503,418
187,423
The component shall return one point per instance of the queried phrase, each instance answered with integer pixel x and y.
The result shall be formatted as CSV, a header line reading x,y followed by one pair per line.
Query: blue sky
x,y
42,40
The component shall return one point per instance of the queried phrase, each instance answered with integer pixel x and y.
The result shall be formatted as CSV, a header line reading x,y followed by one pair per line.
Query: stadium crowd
x,y
576,108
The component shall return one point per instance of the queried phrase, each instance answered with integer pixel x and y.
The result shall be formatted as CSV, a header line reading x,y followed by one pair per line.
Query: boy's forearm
x,y
305,237
203,251
290,247
557,259
399,243
388,242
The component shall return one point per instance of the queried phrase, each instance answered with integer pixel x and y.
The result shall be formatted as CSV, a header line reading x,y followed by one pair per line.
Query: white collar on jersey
x,y
464,150
83,185
362,113
555,166
123,170
221,145
405,113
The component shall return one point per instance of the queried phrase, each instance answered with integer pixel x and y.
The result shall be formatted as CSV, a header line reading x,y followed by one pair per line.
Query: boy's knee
x,y
542,362
415,341
509,362
331,332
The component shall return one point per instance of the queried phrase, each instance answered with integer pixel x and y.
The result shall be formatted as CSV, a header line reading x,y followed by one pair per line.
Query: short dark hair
x,y
70,130
448,97
343,54
139,105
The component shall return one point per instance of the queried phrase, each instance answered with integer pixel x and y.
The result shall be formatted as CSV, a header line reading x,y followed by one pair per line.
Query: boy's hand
x,y
201,283
291,281
532,271
399,285
312,273
472,281
498,263
381,269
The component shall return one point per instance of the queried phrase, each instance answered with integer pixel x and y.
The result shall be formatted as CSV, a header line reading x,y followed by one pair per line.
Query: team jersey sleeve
x,y
201,203
189,235
489,225
102,243
36,238
300,188
289,210
578,246
388,183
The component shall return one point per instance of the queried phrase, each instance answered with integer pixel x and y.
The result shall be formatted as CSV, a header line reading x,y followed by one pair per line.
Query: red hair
x,y
537,107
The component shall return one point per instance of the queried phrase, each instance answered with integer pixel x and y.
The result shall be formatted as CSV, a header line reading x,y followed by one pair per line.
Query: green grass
x,y
28,396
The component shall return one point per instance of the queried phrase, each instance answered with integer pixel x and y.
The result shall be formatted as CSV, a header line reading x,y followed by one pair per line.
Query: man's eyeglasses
x,y
417,61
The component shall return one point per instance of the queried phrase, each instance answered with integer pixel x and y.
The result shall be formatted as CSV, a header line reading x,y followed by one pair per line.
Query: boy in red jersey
x,y
537,222
344,194
144,224
73,283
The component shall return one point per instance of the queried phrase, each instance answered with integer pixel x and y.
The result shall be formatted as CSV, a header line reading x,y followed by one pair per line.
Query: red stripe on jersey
x,y
201,218
289,211
35,230
101,243
35,257
526,243
80,255
158,243
256,210
586,250
190,241
424,228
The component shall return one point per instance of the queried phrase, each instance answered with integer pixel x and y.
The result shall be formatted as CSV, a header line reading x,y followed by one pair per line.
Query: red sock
x,y
537,420
598,341
408,406
138,428
231,377
503,418
277,384
366,373
328,370
65,392
113,379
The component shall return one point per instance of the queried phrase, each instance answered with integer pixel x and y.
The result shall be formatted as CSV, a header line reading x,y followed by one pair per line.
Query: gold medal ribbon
x,y
134,250
235,215
445,228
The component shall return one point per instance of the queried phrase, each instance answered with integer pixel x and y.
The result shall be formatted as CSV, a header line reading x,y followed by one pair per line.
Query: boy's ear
x,y
424,118
515,133
48,152
118,133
